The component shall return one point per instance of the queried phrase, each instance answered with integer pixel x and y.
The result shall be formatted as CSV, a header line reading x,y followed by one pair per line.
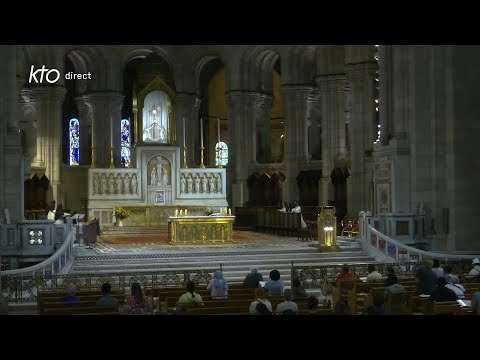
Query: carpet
x,y
163,238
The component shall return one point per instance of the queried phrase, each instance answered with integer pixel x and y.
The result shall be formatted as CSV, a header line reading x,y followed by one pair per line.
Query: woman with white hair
x,y
71,297
218,286
253,279
475,272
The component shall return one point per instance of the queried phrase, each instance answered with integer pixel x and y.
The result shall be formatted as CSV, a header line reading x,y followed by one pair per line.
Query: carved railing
x,y
111,184
208,183
382,246
23,287
315,277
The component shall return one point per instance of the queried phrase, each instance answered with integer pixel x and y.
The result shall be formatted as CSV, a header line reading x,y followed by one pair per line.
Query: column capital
x,y
361,71
114,97
264,101
296,92
331,82
53,93
242,97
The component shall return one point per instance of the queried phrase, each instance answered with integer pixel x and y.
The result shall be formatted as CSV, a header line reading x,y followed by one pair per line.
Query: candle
x,y
218,130
176,212
229,212
184,143
185,212
201,132
181,212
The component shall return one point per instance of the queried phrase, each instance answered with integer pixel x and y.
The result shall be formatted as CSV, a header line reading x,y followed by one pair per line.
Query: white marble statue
x,y
197,184
103,189
219,183
126,184
119,184
164,176
211,183
134,184
190,184
153,177
204,183
95,184
111,184
182,183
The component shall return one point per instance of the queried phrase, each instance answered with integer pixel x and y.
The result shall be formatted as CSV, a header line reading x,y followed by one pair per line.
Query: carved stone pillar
x,y
264,128
85,114
188,106
241,137
361,78
106,120
49,137
11,160
332,93
295,137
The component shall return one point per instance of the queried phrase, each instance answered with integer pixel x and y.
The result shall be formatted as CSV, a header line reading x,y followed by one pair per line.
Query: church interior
x,y
149,140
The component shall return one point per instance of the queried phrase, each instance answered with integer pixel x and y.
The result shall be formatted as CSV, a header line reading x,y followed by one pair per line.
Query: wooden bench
x,y
93,310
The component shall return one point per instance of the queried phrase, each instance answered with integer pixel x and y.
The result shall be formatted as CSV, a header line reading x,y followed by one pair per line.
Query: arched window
x,y
74,141
221,154
125,141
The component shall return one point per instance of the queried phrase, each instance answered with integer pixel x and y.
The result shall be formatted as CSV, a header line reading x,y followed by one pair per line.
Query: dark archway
x,y
339,177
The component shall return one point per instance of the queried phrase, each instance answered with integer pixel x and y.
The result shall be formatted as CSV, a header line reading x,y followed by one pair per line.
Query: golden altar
x,y
200,229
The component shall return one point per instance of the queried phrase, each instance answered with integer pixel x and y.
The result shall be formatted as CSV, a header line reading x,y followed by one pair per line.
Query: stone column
x,y
49,137
11,160
85,113
241,139
188,106
384,106
361,78
295,137
107,113
263,127
332,90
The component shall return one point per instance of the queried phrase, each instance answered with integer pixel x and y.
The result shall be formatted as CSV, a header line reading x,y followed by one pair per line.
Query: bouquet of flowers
x,y
121,213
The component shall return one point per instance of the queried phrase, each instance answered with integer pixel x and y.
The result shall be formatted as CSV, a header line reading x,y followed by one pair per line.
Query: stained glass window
x,y
221,154
125,140
74,137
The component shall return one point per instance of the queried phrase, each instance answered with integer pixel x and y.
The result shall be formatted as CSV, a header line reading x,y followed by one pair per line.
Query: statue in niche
x,y
103,188
204,183
190,184
126,184
154,177
134,184
119,184
197,184
111,184
95,184
164,176
211,183
219,183
182,184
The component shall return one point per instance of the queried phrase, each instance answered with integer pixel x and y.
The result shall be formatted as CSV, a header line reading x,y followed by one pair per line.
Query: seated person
x,y
345,274
373,274
288,304
136,303
476,303
392,286
274,285
253,279
260,297
218,286
190,298
378,307
297,289
437,269
71,297
262,309
451,279
107,299
442,293
476,268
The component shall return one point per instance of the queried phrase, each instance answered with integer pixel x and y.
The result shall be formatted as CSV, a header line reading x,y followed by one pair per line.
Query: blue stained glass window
x,y
74,137
125,134
221,154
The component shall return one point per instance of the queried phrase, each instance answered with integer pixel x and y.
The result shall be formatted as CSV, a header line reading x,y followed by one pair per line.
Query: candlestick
x,y
229,212
111,131
184,143
92,165
181,212
112,166
218,130
185,166
185,212
201,132
176,212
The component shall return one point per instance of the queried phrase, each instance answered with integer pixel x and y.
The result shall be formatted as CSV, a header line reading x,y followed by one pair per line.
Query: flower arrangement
x,y
211,211
121,213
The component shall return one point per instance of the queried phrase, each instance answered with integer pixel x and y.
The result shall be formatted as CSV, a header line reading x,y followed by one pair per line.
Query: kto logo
x,y
51,75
